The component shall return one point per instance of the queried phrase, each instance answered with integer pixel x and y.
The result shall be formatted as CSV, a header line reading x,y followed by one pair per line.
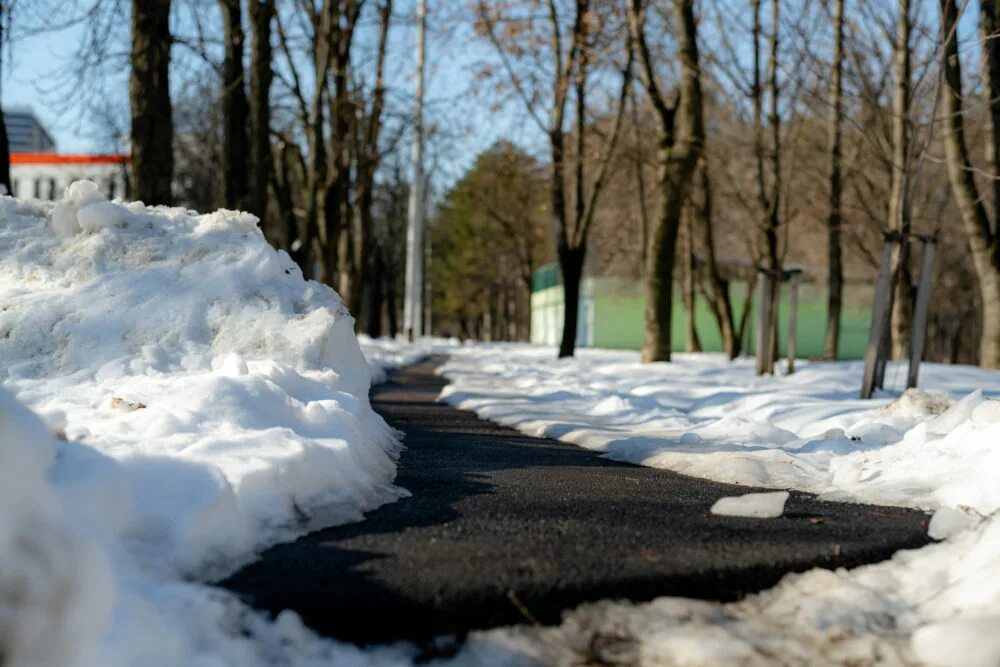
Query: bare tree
x,y
572,58
149,94
234,106
984,242
681,142
900,208
261,74
835,269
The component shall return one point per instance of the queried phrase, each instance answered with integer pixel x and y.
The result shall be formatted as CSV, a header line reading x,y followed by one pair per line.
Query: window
x,y
52,188
38,189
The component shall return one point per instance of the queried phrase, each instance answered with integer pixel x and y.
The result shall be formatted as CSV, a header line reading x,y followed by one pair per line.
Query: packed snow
x,y
208,402
752,505
934,448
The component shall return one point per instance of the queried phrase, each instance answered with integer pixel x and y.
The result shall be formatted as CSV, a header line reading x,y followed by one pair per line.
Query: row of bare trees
x,y
703,139
301,136
803,149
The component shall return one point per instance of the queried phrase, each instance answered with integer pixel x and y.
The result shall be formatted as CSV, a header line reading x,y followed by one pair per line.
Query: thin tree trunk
x,y
235,112
900,213
149,95
722,305
982,238
376,296
835,269
692,343
4,144
773,221
571,262
261,74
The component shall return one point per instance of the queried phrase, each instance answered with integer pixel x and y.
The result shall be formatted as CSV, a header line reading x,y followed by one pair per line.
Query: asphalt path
x,y
503,528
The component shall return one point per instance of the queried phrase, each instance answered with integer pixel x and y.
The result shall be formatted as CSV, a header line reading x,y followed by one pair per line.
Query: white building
x,y
36,170
46,175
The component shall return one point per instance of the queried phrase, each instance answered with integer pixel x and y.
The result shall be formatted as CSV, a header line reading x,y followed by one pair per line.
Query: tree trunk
x,y
773,220
835,269
235,112
900,213
722,305
989,31
982,239
4,144
678,154
149,96
691,341
261,15
571,264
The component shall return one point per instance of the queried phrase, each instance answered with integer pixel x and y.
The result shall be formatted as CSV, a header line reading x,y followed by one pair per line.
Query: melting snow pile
x,y
935,449
209,402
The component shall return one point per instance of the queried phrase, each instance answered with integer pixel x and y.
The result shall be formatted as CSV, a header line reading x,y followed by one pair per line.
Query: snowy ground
x,y
175,397
701,415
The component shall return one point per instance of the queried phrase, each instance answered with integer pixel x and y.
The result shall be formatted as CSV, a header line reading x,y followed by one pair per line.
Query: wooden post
x,y
791,347
763,330
881,311
918,333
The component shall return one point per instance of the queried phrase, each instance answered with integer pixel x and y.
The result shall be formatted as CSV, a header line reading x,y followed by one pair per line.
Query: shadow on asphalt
x,y
503,528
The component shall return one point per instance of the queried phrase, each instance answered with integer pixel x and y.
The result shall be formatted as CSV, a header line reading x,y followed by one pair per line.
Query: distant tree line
x,y
771,132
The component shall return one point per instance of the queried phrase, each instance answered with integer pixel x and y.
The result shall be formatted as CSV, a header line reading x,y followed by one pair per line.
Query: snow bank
x,y
209,402
705,416
931,606
934,448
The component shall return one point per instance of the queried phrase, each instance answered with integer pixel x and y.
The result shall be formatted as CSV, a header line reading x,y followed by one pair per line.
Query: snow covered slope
x,y
209,401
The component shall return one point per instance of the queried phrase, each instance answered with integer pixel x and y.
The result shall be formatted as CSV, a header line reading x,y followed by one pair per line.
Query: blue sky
x,y
31,66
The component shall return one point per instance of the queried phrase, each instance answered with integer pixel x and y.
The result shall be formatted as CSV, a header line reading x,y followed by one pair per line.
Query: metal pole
x,y
881,311
793,317
413,298
919,329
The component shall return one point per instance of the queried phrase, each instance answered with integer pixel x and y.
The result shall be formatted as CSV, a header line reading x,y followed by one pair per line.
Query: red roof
x,y
71,158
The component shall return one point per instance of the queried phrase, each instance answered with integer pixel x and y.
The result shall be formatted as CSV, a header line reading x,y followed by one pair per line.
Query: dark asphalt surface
x,y
504,528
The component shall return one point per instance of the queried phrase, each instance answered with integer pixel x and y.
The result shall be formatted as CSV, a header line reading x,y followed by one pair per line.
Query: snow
x,y
208,403
752,505
933,448
704,416
175,397
384,354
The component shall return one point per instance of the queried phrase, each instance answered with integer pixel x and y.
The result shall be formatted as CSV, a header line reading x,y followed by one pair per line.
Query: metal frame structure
x,y
878,351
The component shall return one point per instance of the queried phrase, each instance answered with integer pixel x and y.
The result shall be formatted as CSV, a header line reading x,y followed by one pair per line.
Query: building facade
x,y
39,172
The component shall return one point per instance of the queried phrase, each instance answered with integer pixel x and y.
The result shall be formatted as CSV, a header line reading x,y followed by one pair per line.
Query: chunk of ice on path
x,y
755,505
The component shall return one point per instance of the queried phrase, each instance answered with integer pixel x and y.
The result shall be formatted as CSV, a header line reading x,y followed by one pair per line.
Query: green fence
x,y
612,316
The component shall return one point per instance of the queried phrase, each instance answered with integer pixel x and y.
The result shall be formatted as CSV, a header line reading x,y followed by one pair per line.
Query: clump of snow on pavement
x,y
934,448
209,402
752,505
